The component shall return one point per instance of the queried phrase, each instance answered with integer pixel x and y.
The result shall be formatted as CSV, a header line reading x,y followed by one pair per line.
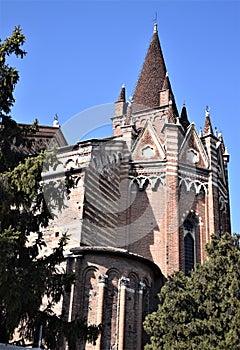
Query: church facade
x,y
145,202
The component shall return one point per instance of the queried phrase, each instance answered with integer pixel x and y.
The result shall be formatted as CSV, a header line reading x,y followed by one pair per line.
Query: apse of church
x,y
144,204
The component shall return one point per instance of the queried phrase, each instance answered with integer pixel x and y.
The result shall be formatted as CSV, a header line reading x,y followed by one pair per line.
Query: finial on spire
x,y
155,28
207,111
155,23
56,122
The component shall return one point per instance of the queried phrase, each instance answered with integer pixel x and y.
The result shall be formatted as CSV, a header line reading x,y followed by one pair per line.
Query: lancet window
x,y
190,225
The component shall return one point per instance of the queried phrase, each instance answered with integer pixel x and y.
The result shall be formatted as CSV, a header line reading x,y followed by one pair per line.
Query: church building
x,y
145,202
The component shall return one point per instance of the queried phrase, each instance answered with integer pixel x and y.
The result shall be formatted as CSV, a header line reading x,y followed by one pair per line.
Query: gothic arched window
x,y
189,245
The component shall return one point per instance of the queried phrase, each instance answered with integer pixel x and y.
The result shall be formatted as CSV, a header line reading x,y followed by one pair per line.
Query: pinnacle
x,y
184,118
122,95
166,82
208,125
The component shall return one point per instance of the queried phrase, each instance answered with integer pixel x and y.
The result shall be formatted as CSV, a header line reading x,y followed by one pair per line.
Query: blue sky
x,y
81,52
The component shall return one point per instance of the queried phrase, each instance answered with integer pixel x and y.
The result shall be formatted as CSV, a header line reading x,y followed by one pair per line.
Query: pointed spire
x,y
122,95
121,105
220,137
166,83
152,76
184,118
208,125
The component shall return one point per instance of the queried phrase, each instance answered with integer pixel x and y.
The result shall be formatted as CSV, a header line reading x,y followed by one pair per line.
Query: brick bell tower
x,y
145,203
179,178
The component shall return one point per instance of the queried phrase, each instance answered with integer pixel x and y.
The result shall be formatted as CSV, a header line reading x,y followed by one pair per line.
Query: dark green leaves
x,y
31,283
201,311
9,75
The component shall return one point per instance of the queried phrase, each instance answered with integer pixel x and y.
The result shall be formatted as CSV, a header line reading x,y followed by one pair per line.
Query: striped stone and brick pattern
x,y
135,195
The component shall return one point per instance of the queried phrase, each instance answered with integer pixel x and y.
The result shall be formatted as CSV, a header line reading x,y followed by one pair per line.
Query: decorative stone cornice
x,y
153,180
193,184
149,171
194,175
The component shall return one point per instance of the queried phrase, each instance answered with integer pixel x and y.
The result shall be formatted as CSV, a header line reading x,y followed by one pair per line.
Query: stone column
x,y
102,279
121,325
141,287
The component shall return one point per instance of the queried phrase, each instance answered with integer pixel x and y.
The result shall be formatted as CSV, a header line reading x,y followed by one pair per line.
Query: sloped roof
x,y
192,151
148,146
152,75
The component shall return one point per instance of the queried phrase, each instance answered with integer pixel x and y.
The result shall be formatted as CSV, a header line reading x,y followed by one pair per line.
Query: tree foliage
x,y
25,276
201,311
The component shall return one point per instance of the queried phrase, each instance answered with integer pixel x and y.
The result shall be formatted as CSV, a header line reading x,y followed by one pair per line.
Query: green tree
x,y
25,278
201,311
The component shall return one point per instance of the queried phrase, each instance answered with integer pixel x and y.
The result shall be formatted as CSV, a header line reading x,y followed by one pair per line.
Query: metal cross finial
x,y
56,122
155,23
155,18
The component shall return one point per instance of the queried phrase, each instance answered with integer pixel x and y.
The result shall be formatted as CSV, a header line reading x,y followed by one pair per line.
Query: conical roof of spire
x,y
184,118
208,125
152,75
122,95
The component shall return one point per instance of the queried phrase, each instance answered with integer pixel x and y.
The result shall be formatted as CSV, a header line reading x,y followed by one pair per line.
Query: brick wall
x,y
115,265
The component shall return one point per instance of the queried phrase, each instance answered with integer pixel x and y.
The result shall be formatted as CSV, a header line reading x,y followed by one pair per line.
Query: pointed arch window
x,y
189,244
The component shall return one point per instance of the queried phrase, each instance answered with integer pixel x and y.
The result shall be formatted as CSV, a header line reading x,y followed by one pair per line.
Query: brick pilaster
x,y
140,311
102,279
171,218
122,308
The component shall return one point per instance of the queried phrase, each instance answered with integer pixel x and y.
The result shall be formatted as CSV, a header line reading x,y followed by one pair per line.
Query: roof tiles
x,y
152,76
